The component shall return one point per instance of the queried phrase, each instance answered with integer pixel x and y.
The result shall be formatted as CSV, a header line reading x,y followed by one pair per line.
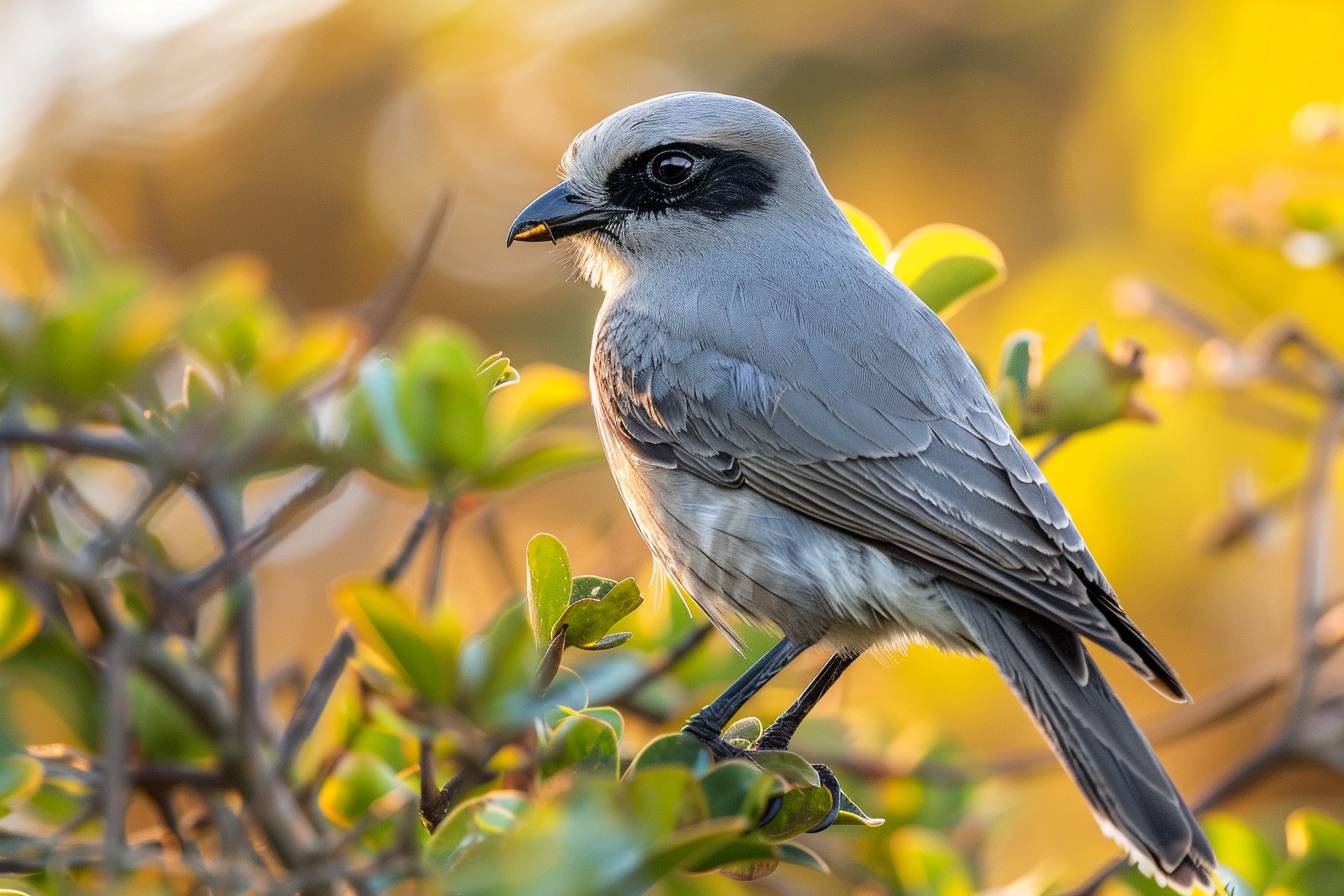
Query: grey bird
x,y
804,444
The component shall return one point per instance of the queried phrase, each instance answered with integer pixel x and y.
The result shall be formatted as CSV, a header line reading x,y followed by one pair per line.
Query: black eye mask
x,y
722,182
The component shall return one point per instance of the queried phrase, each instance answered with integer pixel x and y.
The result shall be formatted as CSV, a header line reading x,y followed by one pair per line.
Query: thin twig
x,y
314,700
416,534
675,654
438,544
1315,558
1054,444
392,296
75,441
114,792
256,541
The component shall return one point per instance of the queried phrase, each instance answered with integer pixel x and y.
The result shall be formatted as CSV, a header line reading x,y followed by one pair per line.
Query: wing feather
x,y
875,423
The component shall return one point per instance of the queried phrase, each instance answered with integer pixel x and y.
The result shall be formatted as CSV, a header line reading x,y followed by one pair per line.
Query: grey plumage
x,y
802,442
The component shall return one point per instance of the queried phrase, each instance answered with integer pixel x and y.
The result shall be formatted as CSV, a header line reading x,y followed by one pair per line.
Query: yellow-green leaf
x,y
871,232
417,651
548,584
1086,388
359,782
584,743
20,777
542,392
590,618
19,624
1312,832
927,865
942,263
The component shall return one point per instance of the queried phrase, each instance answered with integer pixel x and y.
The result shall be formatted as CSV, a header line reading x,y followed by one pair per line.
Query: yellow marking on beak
x,y
535,230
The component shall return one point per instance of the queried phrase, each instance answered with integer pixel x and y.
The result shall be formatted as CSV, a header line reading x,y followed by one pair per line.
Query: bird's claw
x,y
828,780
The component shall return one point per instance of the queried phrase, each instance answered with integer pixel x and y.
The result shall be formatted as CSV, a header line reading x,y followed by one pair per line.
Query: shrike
x,y
803,443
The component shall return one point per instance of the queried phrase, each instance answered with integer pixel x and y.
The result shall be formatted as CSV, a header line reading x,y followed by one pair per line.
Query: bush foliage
x,y
419,753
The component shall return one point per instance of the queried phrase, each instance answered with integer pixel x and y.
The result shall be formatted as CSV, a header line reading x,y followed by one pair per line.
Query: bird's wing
x,y
870,419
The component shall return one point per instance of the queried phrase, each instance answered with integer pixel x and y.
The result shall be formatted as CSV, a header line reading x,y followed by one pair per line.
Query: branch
x,y
255,542
76,441
416,534
1056,442
1315,558
392,296
314,700
675,654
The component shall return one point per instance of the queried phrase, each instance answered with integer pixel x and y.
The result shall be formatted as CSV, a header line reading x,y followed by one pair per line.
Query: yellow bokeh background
x,y
1092,141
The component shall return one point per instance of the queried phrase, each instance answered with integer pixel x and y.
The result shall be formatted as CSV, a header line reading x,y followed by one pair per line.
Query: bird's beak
x,y
556,214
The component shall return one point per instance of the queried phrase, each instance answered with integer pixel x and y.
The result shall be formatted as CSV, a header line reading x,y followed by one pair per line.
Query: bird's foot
x,y
713,740
722,750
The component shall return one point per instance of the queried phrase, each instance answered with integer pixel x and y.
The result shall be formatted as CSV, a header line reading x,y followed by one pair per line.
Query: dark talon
x,y
717,745
830,783
771,810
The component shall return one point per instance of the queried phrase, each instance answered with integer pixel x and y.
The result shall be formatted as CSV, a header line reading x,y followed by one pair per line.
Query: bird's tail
x,y
1130,794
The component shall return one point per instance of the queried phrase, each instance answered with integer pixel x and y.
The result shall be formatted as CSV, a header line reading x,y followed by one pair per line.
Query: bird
x,y
804,445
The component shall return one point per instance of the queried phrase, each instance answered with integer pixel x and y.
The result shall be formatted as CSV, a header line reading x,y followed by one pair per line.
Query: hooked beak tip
x,y
529,233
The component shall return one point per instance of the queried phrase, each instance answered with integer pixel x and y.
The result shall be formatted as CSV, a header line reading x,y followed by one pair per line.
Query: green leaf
x,y
1314,875
590,618
583,743
686,848
737,857
942,263
672,749
560,453
471,823
606,642
384,621
1086,388
874,238
197,393
360,781
74,248
792,768
548,585
19,624
594,587
797,854
20,777
744,732
664,798
440,402
1242,849
850,813
927,865
496,372
1018,373
737,788
163,732
609,714
498,672
799,811
542,392
1310,832
378,387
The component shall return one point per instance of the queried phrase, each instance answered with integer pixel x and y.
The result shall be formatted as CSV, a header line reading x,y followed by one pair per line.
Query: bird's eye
x,y
671,167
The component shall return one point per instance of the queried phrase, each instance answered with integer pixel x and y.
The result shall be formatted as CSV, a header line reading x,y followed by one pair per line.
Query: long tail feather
x,y
1094,737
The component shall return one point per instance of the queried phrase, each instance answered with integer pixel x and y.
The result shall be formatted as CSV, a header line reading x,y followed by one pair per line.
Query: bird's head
x,y
678,175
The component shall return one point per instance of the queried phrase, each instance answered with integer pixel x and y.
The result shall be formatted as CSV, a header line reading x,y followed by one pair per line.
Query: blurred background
x,y
1093,141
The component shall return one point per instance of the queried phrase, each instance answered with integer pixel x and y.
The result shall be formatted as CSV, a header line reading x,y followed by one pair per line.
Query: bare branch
x,y
1315,557
75,441
314,700
416,534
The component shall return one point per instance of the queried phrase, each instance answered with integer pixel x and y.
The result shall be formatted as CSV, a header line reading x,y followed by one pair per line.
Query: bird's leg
x,y
707,725
781,730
